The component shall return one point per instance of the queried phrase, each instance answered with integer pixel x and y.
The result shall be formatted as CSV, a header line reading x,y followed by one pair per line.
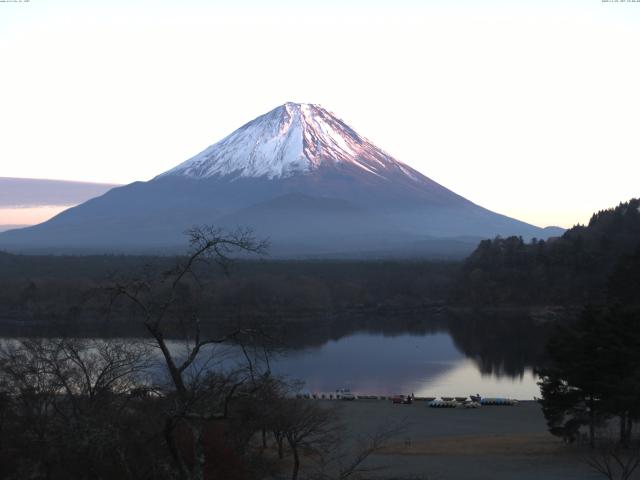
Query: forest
x,y
569,270
565,271
52,290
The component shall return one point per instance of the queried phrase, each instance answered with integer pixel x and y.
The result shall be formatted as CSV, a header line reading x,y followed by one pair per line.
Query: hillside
x,y
571,269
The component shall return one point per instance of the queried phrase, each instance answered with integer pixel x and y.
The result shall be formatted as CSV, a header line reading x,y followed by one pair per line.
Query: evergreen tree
x,y
594,368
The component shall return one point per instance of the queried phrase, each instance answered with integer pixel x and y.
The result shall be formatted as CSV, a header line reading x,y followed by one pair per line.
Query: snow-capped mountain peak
x,y
296,175
294,138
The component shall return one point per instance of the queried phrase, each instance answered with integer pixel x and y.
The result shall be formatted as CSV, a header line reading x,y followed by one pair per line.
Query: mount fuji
x,y
297,175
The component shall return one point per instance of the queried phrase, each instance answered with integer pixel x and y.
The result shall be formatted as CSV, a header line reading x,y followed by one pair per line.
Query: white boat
x,y
345,394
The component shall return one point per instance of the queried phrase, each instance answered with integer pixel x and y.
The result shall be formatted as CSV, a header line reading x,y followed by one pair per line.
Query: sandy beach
x,y
488,443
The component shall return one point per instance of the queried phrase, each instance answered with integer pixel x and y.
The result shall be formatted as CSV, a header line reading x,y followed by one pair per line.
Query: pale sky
x,y
531,109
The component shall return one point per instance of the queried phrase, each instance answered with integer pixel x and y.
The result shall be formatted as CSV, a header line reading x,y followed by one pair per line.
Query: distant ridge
x,y
32,192
4,228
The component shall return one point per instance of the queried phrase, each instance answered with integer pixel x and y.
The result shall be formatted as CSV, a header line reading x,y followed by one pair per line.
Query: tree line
x,y
572,269
47,290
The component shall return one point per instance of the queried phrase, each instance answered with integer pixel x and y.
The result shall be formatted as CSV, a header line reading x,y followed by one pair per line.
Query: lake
x,y
432,357
423,364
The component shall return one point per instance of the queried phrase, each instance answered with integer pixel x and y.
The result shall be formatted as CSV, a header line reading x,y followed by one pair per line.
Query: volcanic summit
x,y
298,175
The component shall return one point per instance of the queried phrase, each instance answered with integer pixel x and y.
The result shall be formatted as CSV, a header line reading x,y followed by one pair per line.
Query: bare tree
x,y
199,396
306,426
346,458
613,461
70,400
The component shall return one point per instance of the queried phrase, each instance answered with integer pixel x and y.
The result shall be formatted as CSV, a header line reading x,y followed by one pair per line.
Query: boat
x,y
344,394
402,399
443,404
499,401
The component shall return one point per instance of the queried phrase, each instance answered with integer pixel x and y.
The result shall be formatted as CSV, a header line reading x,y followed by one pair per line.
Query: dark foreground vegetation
x,y
594,368
90,409
81,409
591,382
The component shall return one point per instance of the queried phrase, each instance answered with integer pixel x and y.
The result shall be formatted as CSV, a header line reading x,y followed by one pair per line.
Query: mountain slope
x,y
4,228
298,175
27,201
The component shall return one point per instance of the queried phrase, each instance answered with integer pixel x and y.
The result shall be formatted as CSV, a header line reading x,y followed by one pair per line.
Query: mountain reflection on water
x,y
441,355
453,356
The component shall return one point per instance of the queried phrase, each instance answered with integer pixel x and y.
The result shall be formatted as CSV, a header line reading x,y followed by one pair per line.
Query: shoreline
x,y
497,443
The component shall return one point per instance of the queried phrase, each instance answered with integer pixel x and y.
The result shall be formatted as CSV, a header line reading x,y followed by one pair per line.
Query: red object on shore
x,y
401,399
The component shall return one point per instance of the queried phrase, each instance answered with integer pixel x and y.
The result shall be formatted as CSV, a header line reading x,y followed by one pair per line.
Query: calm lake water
x,y
492,357
426,365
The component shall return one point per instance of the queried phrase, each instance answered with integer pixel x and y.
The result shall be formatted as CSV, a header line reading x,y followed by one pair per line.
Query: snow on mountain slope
x,y
291,139
297,175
